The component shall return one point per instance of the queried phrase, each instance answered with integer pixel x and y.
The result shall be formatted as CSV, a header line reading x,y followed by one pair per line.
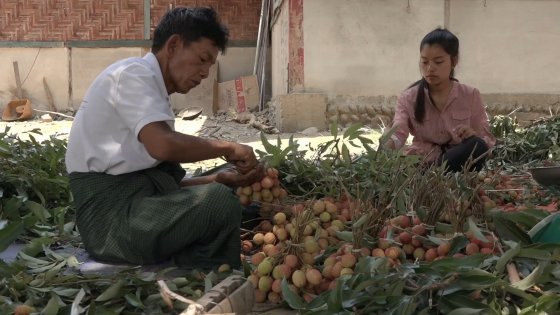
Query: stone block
x,y
232,295
299,111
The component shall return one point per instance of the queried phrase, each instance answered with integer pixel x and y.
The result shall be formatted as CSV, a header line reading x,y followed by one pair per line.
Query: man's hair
x,y
191,24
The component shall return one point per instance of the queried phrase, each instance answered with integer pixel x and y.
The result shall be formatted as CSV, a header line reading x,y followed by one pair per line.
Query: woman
x,y
446,118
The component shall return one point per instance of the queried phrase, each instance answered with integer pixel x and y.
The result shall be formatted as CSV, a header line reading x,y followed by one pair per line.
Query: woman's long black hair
x,y
450,43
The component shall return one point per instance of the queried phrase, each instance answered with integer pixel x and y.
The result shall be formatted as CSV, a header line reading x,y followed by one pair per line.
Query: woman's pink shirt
x,y
464,107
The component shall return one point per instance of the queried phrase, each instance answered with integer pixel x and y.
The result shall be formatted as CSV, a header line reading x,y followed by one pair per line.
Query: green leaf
x,y
457,244
443,227
334,129
293,299
52,306
346,236
346,154
365,140
76,308
111,292
535,254
507,230
531,279
334,302
352,131
100,310
54,271
362,220
65,292
457,300
133,300
506,257
542,224
246,268
406,306
36,245
11,208
466,311
9,234
38,210
475,230
521,293
209,281
270,149
5,149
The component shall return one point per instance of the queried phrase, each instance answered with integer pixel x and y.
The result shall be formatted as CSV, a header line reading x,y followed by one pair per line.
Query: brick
x,y
298,111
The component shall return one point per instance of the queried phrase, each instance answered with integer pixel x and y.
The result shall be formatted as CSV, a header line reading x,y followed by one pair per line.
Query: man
x,y
132,203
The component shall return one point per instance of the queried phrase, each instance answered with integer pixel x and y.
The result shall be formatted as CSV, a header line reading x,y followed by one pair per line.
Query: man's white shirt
x,y
123,99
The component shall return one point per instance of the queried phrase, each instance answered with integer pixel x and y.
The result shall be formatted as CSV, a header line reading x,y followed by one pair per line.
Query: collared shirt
x,y
123,99
464,107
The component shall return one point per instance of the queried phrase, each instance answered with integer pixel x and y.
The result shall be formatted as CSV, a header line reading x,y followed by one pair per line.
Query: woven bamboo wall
x,y
64,20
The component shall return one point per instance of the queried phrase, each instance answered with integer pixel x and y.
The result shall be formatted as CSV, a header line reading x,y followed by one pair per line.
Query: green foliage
x,y
533,144
52,286
503,125
446,286
324,170
34,170
34,188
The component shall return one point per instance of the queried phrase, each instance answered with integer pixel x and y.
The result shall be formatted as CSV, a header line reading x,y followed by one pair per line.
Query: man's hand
x,y
243,158
233,178
464,132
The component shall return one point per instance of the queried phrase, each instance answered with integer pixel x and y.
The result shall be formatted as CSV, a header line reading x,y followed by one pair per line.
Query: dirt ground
x,y
218,127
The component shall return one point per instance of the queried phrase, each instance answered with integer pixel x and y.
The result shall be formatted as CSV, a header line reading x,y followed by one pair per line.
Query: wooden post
x,y
18,80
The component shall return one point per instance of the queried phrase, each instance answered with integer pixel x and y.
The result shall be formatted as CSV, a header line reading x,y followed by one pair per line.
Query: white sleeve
x,y
138,100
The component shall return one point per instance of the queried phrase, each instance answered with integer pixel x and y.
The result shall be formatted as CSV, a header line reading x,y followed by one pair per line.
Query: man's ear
x,y
172,44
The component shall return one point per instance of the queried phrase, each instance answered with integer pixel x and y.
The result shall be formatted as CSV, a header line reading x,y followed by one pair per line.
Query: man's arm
x,y
164,144
229,177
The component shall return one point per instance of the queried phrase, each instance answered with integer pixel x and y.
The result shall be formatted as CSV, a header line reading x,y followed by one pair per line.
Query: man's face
x,y
188,65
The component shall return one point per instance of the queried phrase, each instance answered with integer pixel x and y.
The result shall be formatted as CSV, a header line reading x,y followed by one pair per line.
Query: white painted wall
x,y
371,47
509,46
365,47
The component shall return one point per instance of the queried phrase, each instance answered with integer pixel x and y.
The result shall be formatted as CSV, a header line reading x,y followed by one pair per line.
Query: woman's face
x,y
436,64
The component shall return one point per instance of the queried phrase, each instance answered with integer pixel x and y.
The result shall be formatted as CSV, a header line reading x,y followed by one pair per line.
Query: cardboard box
x,y
241,94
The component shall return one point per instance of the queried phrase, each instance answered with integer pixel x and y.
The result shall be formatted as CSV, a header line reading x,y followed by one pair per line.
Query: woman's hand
x,y
243,158
464,132
233,178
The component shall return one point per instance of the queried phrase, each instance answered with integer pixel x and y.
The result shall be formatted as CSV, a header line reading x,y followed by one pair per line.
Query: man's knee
x,y
227,198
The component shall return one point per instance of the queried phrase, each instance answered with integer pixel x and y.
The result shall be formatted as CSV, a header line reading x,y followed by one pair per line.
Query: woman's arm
x,y
479,121
400,123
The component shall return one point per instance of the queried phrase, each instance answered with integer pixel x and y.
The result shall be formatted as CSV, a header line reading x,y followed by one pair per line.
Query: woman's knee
x,y
476,145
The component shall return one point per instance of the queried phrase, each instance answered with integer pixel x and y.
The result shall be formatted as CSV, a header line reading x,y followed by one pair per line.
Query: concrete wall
x,y
365,52
69,72
34,65
87,63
